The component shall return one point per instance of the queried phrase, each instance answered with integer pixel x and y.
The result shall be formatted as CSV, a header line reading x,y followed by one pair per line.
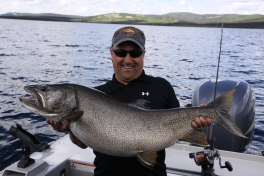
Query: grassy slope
x,y
15,14
177,19
128,18
213,18
180,19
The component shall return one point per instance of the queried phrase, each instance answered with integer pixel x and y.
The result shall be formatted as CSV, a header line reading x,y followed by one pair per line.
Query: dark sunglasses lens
x,y
135,53
120,53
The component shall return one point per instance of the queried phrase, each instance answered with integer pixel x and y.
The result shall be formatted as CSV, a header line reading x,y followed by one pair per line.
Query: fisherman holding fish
x,y
130,84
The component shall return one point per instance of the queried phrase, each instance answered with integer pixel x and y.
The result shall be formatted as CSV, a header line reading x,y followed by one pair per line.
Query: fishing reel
x,y
210,154
29,143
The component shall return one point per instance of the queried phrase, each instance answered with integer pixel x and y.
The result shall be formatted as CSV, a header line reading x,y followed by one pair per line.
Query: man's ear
x,y
111,53
144,52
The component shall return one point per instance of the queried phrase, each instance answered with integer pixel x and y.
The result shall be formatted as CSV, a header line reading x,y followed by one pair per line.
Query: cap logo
x,y
129,32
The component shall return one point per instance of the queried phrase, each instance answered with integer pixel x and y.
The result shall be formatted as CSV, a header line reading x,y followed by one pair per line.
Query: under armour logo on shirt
x,y
145,93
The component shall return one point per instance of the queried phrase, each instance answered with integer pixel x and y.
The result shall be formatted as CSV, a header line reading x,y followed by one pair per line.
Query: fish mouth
x,y
36,99
36,103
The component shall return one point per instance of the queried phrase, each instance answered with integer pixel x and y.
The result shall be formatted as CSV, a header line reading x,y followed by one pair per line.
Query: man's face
x,y
127,68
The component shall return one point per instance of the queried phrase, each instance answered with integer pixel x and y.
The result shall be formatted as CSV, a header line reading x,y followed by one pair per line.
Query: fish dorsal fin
x,y
140,103
75,115
147,158
195,136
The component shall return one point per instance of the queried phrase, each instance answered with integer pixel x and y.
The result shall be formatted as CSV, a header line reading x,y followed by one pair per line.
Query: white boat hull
x,y
63,157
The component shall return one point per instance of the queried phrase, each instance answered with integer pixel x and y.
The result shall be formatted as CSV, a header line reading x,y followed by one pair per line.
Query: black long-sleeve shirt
x,y
161,95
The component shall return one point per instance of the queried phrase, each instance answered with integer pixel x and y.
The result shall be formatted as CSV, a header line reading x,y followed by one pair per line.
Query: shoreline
x,y
252,25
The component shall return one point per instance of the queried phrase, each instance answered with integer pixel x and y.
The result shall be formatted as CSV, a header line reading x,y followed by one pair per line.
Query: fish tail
x,y
222,106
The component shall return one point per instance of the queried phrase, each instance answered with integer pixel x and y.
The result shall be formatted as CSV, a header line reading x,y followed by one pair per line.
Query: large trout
x,y
116,128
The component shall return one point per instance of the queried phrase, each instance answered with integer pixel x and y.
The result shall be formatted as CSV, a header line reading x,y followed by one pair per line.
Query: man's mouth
x,y
128,67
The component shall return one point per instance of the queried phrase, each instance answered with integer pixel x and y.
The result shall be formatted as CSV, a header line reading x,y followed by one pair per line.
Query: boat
x,y
66,159
63,158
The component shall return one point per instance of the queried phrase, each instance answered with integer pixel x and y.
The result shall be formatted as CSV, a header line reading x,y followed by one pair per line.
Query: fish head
x,y
54,102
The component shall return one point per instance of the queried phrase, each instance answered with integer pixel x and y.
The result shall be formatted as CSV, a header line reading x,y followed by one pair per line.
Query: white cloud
x,y
241,0
15,6
182,2
64,2
114,1
34,2
244,8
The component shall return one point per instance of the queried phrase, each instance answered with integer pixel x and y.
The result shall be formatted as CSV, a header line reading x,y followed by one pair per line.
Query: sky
x,y
158,7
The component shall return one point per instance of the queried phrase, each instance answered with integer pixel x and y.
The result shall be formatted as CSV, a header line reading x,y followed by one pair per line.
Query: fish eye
x,y
42,87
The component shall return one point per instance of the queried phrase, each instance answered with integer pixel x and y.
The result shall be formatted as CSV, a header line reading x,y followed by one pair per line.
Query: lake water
x,y
38,52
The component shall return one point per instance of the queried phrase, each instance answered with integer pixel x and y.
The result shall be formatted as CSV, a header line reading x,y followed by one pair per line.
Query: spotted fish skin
x,y
116,128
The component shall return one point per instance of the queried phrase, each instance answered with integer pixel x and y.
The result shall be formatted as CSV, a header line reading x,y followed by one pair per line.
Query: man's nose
x,y
128,58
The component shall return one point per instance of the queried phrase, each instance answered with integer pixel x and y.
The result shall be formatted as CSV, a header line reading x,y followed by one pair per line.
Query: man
x,y
130,83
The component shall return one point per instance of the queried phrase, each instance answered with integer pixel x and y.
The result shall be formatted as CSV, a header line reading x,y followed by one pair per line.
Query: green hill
x,y
129,19
39,16
213,18
174,19
16,14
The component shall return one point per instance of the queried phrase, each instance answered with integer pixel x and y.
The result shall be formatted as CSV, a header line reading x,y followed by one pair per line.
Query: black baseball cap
x,y
129,34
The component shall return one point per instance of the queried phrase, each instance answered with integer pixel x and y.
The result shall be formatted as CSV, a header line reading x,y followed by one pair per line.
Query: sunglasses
x,y
123,53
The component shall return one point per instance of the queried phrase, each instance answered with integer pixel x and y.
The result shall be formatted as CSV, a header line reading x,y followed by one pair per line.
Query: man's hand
x,y
66,127
200,158
201,121
58,126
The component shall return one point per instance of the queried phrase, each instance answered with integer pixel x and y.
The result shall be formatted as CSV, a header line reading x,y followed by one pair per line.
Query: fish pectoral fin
x,y
195,136
75,115
147,158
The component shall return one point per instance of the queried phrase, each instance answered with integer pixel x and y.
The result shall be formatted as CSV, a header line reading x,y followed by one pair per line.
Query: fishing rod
x,y
216,81
220,50
210,152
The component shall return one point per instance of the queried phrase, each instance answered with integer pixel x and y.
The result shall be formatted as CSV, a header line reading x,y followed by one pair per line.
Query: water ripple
x,y
78,53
